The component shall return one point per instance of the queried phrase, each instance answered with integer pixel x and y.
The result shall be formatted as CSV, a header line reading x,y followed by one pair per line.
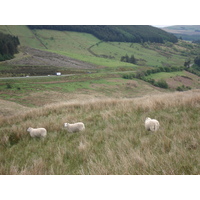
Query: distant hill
x,y
193,28
119,33
186,32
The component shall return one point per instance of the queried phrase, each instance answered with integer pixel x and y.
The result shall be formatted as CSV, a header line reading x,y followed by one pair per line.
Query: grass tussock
x,y
114,142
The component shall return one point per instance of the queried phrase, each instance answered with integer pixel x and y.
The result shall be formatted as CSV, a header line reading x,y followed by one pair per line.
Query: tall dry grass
x,y
115,141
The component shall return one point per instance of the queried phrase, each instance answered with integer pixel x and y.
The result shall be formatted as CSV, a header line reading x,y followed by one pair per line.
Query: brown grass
x,y
115,141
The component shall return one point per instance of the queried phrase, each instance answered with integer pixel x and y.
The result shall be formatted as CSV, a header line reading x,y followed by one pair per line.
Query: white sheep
x,y
37,132
76,127
151,124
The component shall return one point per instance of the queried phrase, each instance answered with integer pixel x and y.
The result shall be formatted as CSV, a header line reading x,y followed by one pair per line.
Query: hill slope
x,y
115,141
43,52
123,33
86,47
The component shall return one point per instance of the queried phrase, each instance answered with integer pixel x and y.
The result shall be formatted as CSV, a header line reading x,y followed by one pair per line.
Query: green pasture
x,y
99,61
165,75
18,88
109,53
73,86
88,48
66,41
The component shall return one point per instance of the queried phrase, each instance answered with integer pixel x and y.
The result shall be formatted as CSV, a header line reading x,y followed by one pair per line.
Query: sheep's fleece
x,y
151,124
37,132
76,127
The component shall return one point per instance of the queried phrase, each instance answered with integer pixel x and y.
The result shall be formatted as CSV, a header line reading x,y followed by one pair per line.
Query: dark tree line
x,y
8,46
187,63
197,61
195,69
117,33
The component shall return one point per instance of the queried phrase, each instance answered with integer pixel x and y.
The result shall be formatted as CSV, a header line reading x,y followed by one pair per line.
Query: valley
x,y
111,97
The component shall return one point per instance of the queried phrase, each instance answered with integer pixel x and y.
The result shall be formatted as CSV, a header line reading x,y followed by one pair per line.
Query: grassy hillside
x,y
177,79
34,92
117,33
115,141
86,47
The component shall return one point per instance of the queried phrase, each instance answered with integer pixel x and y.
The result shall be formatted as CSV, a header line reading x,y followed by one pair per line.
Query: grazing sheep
x,y
76,127
37,132
151,124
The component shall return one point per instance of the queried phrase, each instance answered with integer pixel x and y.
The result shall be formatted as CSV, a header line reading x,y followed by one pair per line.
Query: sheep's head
x,y
65,125
29,129
147,118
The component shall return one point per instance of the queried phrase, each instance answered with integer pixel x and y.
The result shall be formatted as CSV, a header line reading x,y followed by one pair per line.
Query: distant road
x,y
24,77
35,76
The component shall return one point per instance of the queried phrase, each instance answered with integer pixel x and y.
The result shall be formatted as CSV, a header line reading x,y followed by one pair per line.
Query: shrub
x,y
128,59
162,84
8,86
128,76
140,75
197,61
183,88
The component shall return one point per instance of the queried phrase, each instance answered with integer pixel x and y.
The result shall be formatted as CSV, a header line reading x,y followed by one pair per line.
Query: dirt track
x,y
35,57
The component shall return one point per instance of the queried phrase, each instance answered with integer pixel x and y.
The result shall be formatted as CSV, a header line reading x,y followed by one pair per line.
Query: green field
x,y
165,75
65,87
76,46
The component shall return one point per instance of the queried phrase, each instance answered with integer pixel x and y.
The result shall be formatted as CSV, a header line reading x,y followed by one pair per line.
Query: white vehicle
x,y
58,73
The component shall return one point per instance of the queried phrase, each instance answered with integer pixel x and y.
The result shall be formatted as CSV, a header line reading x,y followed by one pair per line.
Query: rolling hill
x,y
186,32
86,48
113,33
44,52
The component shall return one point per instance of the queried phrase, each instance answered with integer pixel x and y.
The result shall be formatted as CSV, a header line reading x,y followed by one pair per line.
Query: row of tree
x,y
118,33
197,61
8,46
142,74
193,68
